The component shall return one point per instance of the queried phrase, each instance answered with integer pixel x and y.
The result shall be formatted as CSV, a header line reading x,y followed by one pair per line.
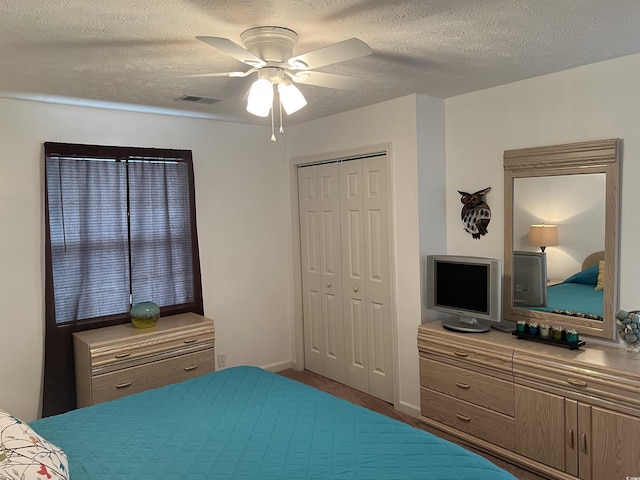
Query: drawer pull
x,y
576,383
464,418
190,340
123,385
460,354
122,355
463,386
189,368
583,441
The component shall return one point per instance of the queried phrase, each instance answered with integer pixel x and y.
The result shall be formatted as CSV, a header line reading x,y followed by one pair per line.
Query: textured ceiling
x,y
139,53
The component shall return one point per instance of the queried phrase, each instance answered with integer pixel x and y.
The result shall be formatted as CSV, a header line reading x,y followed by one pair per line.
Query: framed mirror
x,y
561,236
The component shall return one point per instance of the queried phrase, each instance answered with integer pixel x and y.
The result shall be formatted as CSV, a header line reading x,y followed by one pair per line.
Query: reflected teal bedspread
x,y
247,423
573,297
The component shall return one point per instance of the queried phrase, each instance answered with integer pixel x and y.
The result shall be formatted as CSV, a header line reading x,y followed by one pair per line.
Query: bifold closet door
x,y
366,275
319,202
344,236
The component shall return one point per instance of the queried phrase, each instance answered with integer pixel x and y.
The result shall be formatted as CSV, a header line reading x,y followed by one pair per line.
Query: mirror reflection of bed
x,y
579,295
573,186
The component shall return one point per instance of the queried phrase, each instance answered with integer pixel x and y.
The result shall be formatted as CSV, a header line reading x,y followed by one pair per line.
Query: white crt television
x,y
468,288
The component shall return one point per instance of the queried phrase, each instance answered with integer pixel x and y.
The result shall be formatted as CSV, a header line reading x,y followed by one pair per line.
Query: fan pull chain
x,y
281,129
273,135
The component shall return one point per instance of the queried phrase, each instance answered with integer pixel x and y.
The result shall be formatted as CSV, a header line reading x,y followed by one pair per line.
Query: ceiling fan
x,y
269,52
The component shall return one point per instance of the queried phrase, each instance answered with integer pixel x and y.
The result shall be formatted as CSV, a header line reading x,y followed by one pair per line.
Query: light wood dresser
x,y
115,361
562,413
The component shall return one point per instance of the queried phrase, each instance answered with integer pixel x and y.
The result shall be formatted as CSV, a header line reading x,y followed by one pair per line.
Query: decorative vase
x,y
145,314
629,329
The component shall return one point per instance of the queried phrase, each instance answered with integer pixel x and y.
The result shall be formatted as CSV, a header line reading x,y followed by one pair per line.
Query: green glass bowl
x,y
145,314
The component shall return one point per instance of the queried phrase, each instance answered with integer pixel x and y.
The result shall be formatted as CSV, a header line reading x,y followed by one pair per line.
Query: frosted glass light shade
x,y
291,97
543,236
260,98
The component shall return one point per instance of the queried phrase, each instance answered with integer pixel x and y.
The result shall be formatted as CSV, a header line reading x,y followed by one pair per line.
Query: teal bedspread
x,y
247,423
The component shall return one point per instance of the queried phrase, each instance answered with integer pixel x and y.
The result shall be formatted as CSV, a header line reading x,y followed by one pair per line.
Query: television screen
x,y
462,285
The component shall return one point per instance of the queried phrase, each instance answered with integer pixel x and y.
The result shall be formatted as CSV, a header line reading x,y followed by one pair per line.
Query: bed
x,y
580,294
248,423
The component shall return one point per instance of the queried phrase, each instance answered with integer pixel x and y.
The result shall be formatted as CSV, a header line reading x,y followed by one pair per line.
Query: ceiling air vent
x,y
202,100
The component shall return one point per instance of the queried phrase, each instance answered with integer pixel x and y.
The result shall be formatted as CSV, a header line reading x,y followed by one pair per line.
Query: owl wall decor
x,y
475,214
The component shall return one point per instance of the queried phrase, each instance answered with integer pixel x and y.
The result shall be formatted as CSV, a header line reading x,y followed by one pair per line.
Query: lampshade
x,y
291,97
543,236
260,98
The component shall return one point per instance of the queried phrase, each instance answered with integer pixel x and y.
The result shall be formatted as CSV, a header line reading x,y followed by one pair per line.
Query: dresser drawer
x,y
473,387
153,375
481,355
491,426
605,385
110,357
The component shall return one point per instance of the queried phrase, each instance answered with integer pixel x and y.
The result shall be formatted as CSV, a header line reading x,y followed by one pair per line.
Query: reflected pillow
x,y
600,283
587,277
26,455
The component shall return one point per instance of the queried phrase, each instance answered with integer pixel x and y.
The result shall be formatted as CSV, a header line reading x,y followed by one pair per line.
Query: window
x,y
120,229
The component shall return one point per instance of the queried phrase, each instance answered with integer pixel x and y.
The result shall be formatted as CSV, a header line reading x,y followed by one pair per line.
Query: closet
x,y
345,257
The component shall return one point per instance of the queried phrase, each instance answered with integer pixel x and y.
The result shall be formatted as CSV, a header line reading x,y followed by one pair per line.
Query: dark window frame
x,y
59,377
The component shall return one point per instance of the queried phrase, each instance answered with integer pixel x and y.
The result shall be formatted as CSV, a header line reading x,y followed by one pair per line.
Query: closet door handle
x,y
464,418
329,285
355,289
463,386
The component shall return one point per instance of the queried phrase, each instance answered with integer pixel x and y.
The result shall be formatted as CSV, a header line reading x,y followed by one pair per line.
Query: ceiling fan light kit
x,y
268,50
260,98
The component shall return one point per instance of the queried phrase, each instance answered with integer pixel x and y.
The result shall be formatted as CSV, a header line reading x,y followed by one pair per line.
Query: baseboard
x,y
408,409
278,367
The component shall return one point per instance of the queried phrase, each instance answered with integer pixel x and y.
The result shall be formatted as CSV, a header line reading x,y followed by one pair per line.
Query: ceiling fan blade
x,y
222,74
336,53
328,80
233,49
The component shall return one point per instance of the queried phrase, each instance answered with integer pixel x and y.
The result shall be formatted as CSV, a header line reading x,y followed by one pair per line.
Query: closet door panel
x,y
377,275
311,279
353,270
319,201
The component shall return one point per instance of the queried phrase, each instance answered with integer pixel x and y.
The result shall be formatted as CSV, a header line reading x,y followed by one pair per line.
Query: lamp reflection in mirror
x,y
543,236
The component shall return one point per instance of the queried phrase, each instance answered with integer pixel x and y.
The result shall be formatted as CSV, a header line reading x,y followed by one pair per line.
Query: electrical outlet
x,y
222,360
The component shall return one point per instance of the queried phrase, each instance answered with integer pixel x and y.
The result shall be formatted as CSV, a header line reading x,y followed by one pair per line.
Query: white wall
x,y
243,228
395,122
594,102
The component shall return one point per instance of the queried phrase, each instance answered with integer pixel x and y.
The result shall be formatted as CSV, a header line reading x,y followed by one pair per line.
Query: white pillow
x,y
25,455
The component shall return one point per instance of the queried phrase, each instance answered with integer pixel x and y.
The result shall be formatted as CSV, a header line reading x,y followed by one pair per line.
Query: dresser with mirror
x,y
562,413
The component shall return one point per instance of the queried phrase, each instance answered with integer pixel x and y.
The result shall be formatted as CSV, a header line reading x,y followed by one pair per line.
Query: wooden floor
x,y
380,406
